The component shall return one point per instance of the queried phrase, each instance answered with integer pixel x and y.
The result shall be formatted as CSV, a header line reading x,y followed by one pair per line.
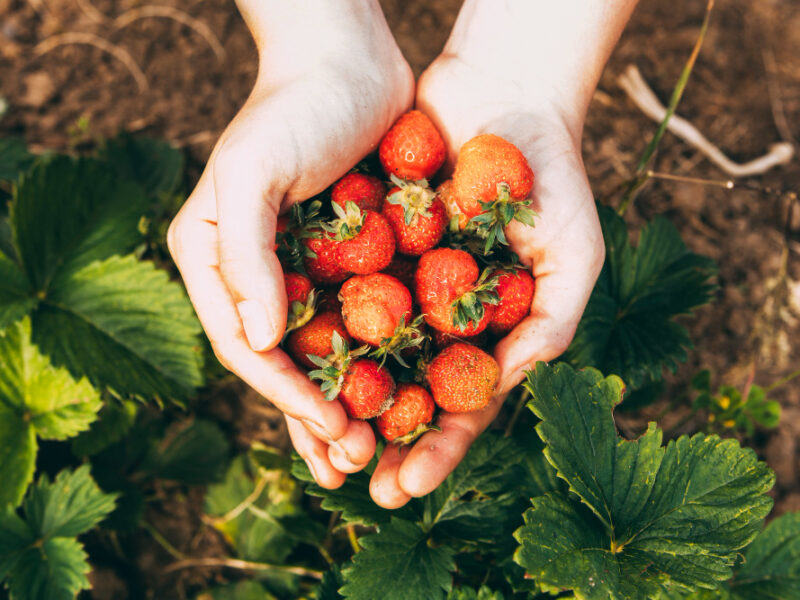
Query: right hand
x,y
318,106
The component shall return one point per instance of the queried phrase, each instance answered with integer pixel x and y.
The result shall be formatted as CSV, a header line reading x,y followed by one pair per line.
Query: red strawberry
x,y
412,149
315,337
409,416
373,306
324,267
366,389
452,294
301,300
442,340
361,385
445,194
329,301
280,229
365,242
402,267
417,217
515,290
462,378
365,191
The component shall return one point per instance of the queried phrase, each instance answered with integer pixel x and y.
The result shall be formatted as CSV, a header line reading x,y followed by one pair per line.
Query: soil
x,y
744,95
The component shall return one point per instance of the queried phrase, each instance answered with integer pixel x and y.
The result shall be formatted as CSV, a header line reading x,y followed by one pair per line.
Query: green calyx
x,y
405,336
348,223
410,437
415,197
469,307
300,314
304,223
333,367
498,213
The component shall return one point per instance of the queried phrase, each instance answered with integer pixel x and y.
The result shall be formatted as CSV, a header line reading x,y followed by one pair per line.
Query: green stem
x,y
351,535
163,542
523,399
783,380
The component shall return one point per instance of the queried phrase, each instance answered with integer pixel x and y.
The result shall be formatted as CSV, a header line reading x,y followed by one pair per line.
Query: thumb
x,y
247,211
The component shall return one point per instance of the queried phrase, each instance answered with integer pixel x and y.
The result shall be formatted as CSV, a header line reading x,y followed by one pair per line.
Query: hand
x,y
331,82
564,251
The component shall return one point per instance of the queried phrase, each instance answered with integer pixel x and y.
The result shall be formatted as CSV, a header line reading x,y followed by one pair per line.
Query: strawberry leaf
x,y
154,164
16,297
629,325
40,559
644,514
465,593
397,563
14,158
36,399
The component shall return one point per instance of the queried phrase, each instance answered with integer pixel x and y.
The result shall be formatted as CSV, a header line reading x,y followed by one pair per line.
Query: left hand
x,y
565,252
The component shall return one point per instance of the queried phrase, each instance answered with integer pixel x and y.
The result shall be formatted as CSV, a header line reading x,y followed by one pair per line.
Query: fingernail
x,y
341,449
317,430
257,325
313,473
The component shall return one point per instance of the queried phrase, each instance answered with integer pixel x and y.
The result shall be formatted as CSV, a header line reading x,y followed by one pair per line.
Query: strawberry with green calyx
x,y
365,240
321,261
365,191
361,385
315,337
294,232
302,299
515,288
417,217
453,295
497,214
413,148
409,417
373,306
456,219
404,340
462,378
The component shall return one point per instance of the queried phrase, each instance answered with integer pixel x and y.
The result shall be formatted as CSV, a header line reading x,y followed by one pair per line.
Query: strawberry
x,y
281,224
403,268
409,416
365,191
442,340
515,289
417,217
413,148
361,385
321,261
453,295
373,306
315,337
455,216
365,242
491,183
301,300
462,378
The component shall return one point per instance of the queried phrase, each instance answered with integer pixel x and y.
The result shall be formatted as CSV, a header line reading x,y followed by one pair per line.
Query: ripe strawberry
x,y
365,242
445,193
462,378
442,340
412,149
409,416
403,268
365,191
315,337
328,300
361,385
301,300
323,267
373,306
417,217
491,183
451,294
515,290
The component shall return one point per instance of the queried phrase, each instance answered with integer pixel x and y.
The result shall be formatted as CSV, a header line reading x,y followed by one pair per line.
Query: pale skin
x,y
331,82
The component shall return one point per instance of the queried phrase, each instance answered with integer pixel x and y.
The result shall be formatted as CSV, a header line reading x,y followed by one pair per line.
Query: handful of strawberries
x,y
395,294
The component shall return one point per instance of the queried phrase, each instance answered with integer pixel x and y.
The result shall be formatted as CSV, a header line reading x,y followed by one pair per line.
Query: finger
x,y
383,486
248,198
315,453
354,449
437,453
193,239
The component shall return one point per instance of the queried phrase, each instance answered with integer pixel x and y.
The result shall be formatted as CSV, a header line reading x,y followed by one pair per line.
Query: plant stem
x,y
641,176
523,398
351,535
783,380
245,565
163,542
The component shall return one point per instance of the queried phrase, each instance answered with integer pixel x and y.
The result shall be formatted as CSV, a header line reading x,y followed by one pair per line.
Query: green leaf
x,y
15,538
243,590
54,571
197,455
17,456
123,324
67,214
14,158
629,326
155,165
114,420
671,514
16,299
328,589
397,563
771,566
466,593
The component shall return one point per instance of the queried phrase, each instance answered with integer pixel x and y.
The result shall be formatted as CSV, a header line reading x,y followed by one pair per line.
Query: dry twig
x,y
103,44
90,11
637,89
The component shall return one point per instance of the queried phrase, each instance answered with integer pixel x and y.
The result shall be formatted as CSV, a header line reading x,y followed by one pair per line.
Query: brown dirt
x,y
744,95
